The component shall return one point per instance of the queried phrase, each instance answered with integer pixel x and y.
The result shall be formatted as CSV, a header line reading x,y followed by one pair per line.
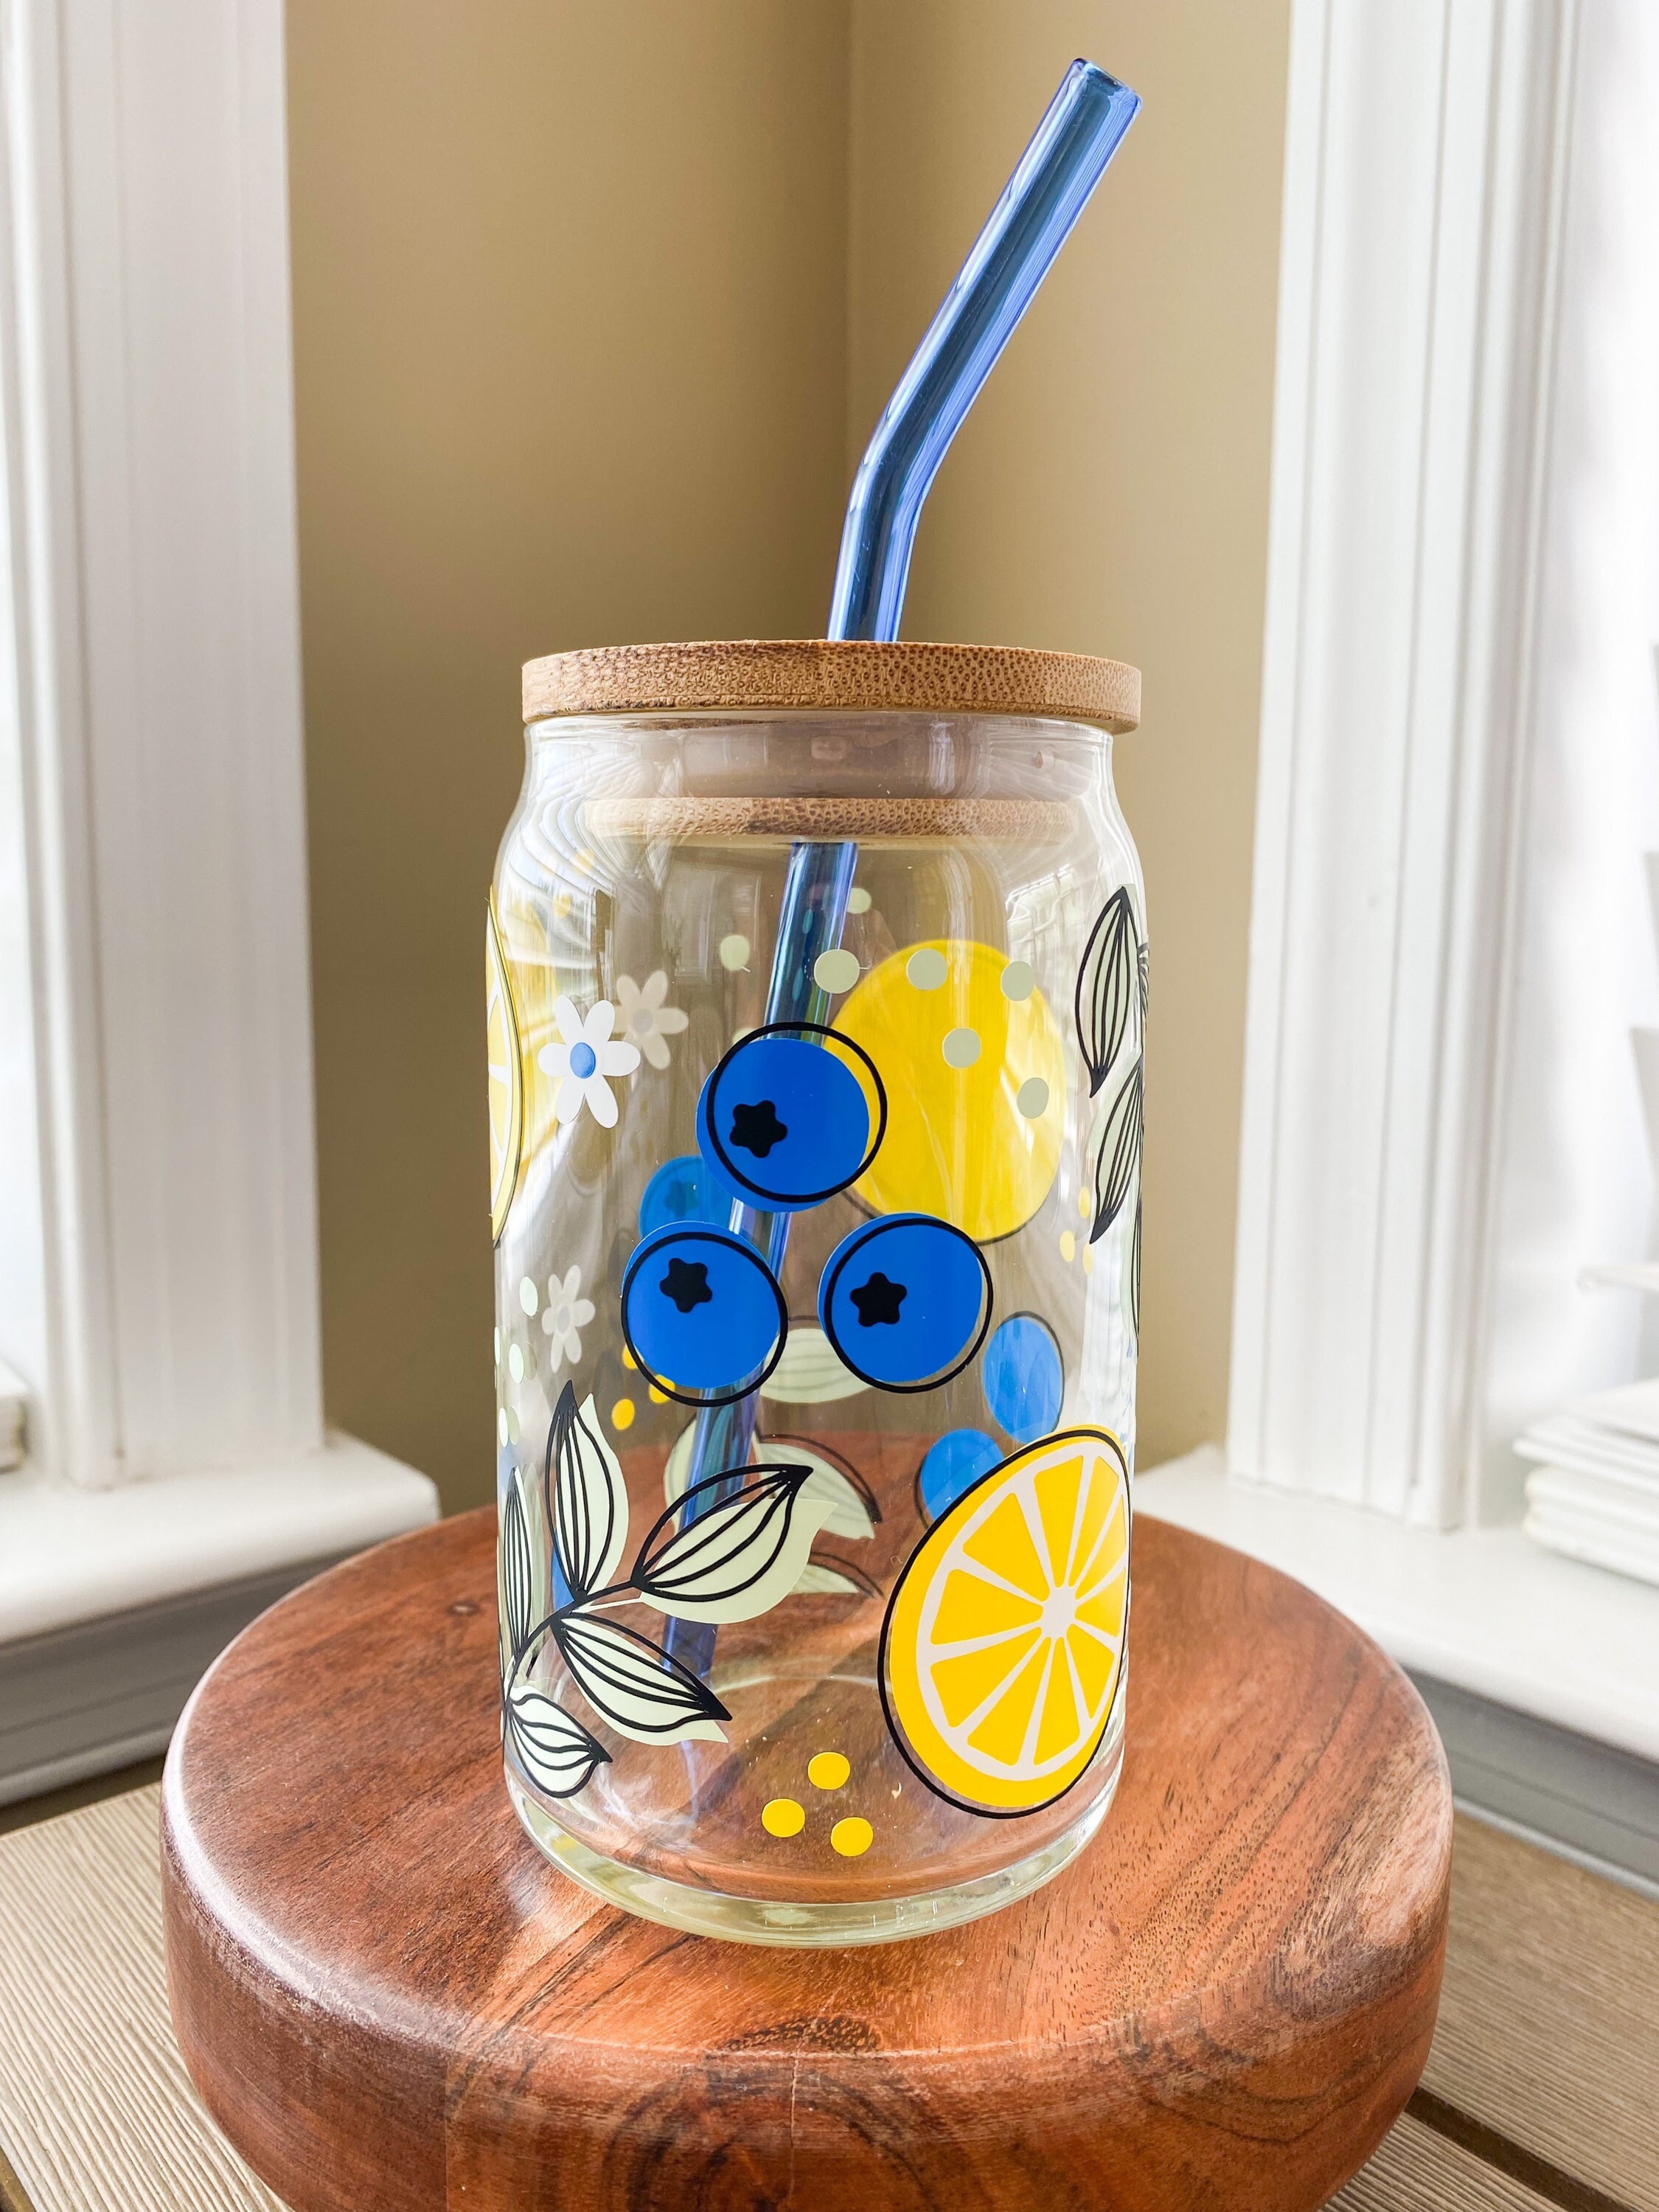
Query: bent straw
x,y
1067,157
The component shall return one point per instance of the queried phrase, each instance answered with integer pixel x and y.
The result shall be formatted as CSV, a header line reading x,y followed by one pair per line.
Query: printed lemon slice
x,y
1003,1647
506,1079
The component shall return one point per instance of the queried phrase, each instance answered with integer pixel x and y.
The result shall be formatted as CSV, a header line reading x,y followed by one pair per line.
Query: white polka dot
x,y
835,971
515,1362
961,1047
514,1434
858,900
1018,982
926,969
498,1348
1032,1097
500,1423
529,1297
734,952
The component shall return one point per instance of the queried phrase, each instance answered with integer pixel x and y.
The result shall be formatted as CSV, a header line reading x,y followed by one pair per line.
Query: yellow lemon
x,y
974,1066
506,1078
1003,1647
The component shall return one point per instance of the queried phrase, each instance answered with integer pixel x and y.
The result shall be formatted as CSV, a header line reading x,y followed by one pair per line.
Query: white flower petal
x,y
656,1051
554,1059
601,1101
628,995
569,1103
572,1347
569,1021
601,1020
618,1058
582,1312
656,988
671,1020
572,1283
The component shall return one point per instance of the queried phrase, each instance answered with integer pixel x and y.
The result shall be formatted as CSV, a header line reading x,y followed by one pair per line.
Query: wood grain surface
x,y
835,675
389,2000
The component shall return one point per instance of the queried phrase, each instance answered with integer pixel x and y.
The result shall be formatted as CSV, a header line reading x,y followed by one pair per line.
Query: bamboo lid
x,y
826,674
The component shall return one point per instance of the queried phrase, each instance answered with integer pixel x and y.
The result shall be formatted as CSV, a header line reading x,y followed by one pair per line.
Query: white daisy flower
x,y
644,1017
582,1060
566,1313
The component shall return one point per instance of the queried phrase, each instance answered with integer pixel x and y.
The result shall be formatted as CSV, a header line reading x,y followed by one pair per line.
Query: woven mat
x,y
1542,2090
97,2113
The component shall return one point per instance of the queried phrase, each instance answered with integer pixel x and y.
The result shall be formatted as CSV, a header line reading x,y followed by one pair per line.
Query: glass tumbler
x,y
816,1013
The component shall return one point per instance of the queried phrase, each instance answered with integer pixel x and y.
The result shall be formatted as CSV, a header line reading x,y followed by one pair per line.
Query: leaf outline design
x,y
1117,1155
1110,986
586,1497
557,1753
633,1684
732,1557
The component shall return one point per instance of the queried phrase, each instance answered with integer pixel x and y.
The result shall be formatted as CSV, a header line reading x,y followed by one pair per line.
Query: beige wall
x,y
593,309
1109,495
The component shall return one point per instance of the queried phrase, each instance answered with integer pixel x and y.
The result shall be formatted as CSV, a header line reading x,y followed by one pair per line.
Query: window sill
x,y
1485,1610
69,1556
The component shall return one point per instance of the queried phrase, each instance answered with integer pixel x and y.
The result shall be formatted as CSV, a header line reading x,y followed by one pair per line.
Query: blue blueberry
x,y
702,1314
953,1465
906,1301
1024,1379
782,1120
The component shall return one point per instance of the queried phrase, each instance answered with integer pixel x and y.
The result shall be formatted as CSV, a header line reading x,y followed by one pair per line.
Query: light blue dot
x,y
952,1465
583,1060
1024,1379
684,1190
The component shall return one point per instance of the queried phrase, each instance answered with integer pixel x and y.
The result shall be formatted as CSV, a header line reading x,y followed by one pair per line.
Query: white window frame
x,y
1428,166
159,1290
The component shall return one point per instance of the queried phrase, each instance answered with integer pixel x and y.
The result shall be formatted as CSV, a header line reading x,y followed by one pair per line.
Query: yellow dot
x,y
1088,1259
621,1414
1082,1204
852,1839
1068,1246
630,1362
783,1817
657,1397
828,1771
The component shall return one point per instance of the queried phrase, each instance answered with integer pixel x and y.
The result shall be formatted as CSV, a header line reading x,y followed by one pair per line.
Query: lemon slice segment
x,y
506,1078
1003,1647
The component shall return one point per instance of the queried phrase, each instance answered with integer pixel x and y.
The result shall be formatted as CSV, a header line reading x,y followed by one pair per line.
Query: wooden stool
x,y
388,1999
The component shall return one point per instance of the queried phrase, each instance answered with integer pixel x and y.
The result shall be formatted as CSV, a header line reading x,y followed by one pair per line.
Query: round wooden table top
x,y
389,1999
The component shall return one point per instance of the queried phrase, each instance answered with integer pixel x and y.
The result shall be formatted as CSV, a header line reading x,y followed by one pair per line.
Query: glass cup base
x,y
803,1925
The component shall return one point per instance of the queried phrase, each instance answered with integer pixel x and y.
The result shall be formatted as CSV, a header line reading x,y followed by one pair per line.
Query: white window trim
x,y
1425,195
161,1299
1423,191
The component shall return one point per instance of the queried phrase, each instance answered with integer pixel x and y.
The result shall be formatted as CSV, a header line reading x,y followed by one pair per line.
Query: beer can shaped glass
x,y
817,1016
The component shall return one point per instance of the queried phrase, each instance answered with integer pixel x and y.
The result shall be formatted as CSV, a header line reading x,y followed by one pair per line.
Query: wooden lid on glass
x,y
826,675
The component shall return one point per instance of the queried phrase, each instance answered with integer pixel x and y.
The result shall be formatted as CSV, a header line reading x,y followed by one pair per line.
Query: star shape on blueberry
x,y
878,1300
686,1284
756,1128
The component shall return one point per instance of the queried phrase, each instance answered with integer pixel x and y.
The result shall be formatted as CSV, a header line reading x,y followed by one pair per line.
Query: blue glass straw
x,y
1067,158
